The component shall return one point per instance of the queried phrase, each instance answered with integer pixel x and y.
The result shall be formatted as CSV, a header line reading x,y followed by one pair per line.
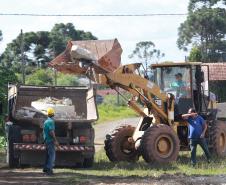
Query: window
x,y
175,80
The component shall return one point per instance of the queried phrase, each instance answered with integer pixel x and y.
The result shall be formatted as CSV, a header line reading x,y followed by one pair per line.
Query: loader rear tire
x,y
218,139
117,146
159,144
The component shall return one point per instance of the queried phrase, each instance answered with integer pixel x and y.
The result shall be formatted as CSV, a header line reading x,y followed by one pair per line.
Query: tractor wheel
x,y
218,139
117,146
159,144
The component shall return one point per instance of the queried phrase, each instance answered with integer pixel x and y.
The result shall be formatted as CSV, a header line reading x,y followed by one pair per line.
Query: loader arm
x,y
100,62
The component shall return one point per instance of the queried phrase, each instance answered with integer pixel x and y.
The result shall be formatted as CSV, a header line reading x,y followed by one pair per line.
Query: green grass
x,y
104,169
113,112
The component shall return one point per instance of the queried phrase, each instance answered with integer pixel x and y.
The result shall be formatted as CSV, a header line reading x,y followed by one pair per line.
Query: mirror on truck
x,y
199,75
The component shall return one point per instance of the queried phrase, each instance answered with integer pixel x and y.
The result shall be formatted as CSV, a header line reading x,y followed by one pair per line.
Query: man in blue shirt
x,y
50,142
196,135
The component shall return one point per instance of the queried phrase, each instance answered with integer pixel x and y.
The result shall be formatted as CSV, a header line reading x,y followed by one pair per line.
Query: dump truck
x,y
24,125
161,132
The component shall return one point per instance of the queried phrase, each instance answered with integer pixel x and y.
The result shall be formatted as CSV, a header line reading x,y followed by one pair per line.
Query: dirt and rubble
x,y
35,176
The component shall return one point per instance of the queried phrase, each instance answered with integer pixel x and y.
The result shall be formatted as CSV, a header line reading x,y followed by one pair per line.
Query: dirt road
x,y
35,176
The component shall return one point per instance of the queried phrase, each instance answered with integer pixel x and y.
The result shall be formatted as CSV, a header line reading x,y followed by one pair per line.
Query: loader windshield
x,y
175,80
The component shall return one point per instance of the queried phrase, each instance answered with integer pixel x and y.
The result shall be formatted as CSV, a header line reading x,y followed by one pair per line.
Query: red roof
x,y
217,71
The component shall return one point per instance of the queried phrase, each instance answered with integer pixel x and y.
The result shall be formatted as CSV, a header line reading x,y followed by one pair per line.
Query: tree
x,y
7,77
146,53
67,80
62,33
195,54
41,47
205,31
205,27
41,77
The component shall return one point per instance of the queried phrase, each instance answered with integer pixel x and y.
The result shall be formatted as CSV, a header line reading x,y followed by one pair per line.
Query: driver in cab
x,y
180,86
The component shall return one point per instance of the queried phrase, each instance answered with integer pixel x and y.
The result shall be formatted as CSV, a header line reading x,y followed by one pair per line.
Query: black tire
x,y
14,136
88,162
218,139
158,136
117,146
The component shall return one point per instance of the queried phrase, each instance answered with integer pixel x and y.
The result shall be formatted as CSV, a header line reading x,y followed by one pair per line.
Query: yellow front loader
x,y
161,132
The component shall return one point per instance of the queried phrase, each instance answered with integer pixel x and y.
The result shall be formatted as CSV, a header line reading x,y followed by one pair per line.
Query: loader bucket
x,y
103,55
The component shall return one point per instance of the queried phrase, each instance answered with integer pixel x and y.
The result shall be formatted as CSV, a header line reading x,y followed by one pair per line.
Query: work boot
x,y
49,172
44,170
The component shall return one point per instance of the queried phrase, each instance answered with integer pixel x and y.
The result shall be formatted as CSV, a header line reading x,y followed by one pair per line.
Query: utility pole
x,y
22,55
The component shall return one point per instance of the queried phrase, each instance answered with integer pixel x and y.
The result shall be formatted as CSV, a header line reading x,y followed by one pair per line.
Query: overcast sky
x,y
162,30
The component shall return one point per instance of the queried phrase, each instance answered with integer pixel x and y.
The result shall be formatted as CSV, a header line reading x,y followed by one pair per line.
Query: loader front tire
x,y
159,144
218,139
118,148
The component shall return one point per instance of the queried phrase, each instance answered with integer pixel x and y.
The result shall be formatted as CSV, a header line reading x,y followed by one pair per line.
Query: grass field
x,y
105,171
103,168
112,112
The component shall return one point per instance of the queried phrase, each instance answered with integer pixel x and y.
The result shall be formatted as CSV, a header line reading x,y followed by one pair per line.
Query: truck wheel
x,y
159,144
117,146
218,139
13,137
88,162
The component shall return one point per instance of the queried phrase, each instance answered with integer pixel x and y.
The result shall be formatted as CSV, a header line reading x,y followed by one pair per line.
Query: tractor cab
x,y
187,82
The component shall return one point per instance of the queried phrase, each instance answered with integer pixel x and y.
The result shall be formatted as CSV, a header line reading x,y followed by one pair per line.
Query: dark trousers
x,y
193,146
50,156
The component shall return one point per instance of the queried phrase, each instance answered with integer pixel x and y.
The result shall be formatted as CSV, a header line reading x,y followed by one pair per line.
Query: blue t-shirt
x,y
49,125
195,127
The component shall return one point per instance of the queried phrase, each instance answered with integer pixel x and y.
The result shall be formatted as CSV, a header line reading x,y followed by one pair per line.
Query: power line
x,y
92,15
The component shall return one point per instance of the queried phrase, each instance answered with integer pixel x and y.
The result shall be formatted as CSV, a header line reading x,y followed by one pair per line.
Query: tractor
x,y
161,132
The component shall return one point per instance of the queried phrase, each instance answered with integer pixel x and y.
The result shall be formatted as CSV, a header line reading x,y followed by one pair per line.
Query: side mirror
x,y
199,76
1,108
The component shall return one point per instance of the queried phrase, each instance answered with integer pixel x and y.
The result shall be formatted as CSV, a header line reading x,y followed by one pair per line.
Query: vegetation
x,y
110,113
146,53
103,169
110,110
195,55
7,76
40,47
205,29
47,77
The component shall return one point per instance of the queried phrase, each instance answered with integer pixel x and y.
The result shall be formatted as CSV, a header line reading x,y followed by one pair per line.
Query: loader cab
x,y
187,82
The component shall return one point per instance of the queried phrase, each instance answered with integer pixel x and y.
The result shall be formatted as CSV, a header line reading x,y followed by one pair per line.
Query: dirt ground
x,y
35,176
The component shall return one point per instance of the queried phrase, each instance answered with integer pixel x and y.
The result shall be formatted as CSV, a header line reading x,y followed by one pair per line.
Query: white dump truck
x,y
75,112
